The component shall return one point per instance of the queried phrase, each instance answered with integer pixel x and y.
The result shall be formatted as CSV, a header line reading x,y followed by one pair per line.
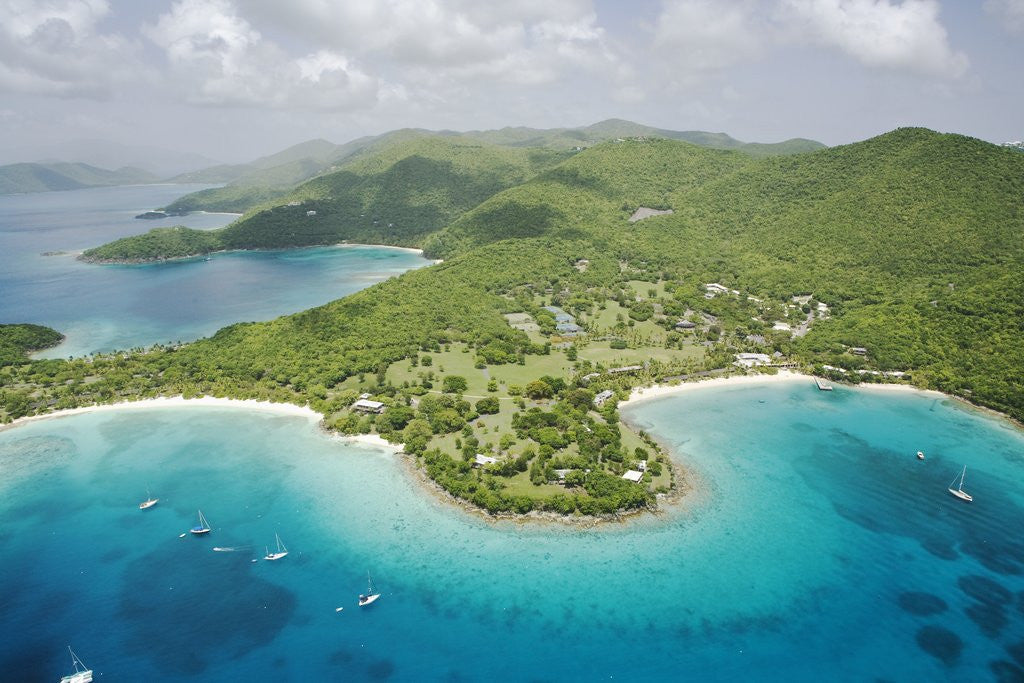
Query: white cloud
x,y
515,41
702,37
218,57
55,48
1009,12
904,36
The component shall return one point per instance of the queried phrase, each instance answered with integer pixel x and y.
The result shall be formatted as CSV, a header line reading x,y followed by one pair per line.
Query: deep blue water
x,y
102,308
815,547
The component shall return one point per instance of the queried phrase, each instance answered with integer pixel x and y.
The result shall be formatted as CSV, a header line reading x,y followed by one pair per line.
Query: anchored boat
x,y
959,490
370,596
203,527
81,674
281,550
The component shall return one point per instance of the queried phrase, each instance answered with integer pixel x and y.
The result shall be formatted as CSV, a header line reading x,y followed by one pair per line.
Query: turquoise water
x,y
103,308
817,547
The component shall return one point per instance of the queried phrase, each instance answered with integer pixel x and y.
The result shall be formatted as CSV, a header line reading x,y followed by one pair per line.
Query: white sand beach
x,y
651,392
373,441
179,401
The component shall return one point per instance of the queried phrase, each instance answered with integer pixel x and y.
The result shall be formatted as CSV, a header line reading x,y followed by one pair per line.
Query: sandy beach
x,y
178,401
659,391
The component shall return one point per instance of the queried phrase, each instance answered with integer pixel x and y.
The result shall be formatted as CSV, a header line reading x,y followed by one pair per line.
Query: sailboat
x,y
203,527
81,675
149,502
959,490
370,596
281,550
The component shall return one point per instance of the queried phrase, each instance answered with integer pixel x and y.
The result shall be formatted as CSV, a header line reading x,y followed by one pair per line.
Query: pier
x,y
822,384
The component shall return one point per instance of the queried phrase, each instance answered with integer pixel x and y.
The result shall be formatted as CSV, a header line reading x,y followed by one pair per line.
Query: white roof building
x,y
366,406
482,460
633,475
600,399
749,360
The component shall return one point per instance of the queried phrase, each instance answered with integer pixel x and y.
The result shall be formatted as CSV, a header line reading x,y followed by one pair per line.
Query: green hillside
x,y
912,241
18,178
17,341
269,177
394,193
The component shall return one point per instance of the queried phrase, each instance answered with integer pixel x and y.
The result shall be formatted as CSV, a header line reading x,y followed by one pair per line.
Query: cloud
x,y
906,36
514,41
703,37
217,57
1009,12
55,48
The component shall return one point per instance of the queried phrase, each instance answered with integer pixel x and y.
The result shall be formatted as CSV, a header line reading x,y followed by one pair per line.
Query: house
x,y
311,213
602,397
366,406
749,360
625,369
642,465
564,318
633,475
482,460
685,325
568,329
782,327
585,379
858,351
714,288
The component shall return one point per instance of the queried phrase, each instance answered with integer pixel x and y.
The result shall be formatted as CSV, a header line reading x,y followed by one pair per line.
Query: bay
x,y
107,307
815,546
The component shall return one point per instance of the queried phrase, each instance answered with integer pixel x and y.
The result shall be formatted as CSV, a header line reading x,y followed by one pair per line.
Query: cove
x,y
816,546
104,308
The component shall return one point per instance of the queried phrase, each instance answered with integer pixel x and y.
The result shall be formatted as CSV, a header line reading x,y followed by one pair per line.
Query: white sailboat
x,y
281,550
203,527
959,490
370,596
81,674
149,502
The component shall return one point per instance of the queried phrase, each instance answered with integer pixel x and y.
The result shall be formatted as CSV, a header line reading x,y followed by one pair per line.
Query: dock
x,y
822,384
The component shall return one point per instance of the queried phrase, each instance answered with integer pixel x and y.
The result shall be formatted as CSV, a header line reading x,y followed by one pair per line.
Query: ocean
x,y
108,307
813,546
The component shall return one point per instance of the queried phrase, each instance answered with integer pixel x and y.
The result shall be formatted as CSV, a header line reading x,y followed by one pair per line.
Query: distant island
x,y
500,370
32,177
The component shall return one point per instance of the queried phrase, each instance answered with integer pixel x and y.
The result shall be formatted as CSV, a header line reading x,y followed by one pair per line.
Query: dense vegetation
x,y
155,245
15,178
913,242
268,178
17,341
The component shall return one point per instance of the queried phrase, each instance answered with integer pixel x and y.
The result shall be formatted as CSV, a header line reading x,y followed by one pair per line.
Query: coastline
x,y
647,393
176,402
80,254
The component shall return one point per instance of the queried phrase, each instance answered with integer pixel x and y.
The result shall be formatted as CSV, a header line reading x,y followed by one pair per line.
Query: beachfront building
x,y
633,475
585,379
625,369
364,405
603,397
749,360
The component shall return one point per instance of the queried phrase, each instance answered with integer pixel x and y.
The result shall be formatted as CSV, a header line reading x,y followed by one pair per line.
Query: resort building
x,y
585,379
625,369
601,398
367,406
749,360
633,475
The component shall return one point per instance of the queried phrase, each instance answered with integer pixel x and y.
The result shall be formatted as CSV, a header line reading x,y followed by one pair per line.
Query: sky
x,y
235,79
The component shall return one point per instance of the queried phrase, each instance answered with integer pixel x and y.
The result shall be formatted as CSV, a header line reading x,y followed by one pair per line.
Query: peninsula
x,y
899,258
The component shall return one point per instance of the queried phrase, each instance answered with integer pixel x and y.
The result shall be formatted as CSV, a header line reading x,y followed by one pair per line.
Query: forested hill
x,y
913,242
269,178
394,193
17,178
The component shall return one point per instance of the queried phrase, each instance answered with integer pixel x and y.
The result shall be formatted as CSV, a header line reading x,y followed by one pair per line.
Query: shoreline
x,y
175,402
80,253
650,392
